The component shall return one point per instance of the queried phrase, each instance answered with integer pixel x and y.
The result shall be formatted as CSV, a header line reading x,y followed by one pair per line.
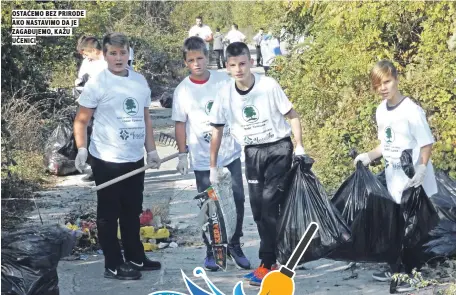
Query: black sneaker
x,y
404,287
384,276
122,272
146,264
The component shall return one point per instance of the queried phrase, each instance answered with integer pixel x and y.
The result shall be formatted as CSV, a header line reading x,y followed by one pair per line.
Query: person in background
x,y
257,39
270,48
235,35
201,30
219,49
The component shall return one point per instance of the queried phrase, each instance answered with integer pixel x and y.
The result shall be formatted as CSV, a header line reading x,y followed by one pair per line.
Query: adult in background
x,y
257,39
219,49
235,35
201,30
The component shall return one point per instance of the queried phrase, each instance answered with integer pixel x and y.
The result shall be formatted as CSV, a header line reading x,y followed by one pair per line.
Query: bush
x,y
327,76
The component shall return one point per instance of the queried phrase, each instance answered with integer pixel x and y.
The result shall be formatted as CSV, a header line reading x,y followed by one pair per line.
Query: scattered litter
x,y
163,245
173,245
83,257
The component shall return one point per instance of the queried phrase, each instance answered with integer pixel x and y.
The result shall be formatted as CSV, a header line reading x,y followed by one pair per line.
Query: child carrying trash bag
x,y
402,125
305,202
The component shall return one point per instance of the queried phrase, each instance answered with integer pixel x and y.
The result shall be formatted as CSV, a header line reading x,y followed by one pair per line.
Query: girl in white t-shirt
x,y
402,126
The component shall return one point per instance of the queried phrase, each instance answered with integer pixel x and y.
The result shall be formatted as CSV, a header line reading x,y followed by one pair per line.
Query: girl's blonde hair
x,y
382,69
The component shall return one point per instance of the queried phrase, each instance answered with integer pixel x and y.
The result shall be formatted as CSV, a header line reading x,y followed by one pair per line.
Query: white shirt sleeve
x,y
209,31
281,100
148,99
91,94
179,113
241,36
420,128
217,114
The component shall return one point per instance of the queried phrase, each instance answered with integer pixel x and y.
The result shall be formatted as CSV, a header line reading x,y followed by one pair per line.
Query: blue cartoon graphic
x,y
278,282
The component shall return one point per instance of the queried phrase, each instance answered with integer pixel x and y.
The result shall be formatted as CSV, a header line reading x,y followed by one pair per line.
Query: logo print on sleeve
x,y
130,106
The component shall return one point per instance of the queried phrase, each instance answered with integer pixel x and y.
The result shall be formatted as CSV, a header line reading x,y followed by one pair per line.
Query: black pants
x,y
265,165
259,56
121,201
203,182
220,58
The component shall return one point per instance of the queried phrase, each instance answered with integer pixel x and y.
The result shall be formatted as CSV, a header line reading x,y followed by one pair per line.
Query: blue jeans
x,y
203,182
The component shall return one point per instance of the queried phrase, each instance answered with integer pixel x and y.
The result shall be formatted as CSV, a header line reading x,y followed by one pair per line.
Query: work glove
x,y
182,166
418,178
364,158
81,159
214,176
153,159
299,150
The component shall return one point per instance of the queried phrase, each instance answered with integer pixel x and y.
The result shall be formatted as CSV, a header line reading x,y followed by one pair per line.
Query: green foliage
x,y
327,76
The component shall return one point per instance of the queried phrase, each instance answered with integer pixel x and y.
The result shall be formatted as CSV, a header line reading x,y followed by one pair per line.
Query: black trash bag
x,y
443,236
30,258
54,162
70,150
420,217
305,202
372,214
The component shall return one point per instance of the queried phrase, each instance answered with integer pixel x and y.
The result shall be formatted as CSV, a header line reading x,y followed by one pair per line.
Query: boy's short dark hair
x,y
262,29
217,30
89,43
237,49
235,26
194,44
199,17
115,39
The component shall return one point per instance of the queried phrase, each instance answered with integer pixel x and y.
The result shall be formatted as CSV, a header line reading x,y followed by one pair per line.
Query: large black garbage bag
x,y
443,236
373,216
420,217
30,258
70,150
54,162
305,202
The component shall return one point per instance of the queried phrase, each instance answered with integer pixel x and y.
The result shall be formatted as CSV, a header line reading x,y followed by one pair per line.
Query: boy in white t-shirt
x,y
255,107
402,126
192,103
119,100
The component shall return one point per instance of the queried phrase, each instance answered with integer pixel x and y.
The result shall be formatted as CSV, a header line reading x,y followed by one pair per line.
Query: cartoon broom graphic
x,y
280,282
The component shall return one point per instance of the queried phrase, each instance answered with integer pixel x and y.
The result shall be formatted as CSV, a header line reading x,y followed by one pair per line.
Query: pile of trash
x,y
153,234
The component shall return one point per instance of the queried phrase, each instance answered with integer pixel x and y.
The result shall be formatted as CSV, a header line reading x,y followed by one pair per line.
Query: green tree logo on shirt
x,y
250,114
208,106
130,106
389,134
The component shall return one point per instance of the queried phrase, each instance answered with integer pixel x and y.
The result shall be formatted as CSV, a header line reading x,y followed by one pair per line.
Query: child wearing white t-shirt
x,y
255,107
402,126
119,100
192,103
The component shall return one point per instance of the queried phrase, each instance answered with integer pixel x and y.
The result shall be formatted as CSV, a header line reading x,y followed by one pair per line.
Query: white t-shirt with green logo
x,y
192,104
256,117
118,128
404,128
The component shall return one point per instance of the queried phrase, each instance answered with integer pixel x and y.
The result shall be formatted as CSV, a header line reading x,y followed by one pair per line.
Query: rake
x,y
165,139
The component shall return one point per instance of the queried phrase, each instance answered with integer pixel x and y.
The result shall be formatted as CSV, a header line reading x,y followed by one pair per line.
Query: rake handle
x,y
131,173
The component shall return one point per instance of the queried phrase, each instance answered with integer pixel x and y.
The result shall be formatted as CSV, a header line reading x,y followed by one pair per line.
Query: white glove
x,y
153,159
418,178
214,176
364,158
299,150
182,166
81,159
